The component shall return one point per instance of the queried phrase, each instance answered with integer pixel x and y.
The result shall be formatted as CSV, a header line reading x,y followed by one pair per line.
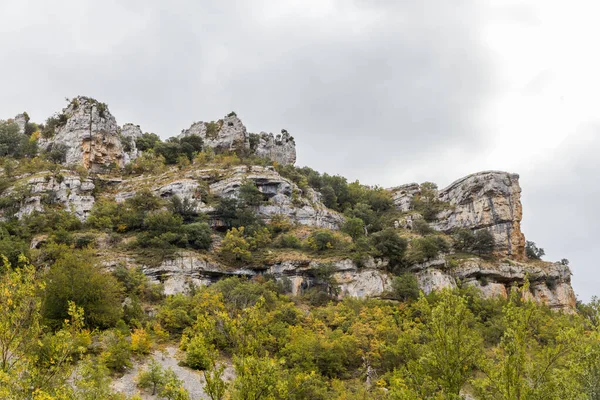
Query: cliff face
x,y
486,200
90,135
550,283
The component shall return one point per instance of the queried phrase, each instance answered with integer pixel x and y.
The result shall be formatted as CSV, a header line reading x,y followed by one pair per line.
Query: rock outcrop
x,y
65,188
280,148
281,196
550,283
21,121
229,133
486,200
89,134
129,134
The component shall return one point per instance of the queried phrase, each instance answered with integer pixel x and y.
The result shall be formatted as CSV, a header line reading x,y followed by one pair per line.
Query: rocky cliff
x,y
486,200
90,136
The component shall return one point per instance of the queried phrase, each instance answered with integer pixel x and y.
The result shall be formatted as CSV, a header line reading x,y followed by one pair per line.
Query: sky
x,y
383,91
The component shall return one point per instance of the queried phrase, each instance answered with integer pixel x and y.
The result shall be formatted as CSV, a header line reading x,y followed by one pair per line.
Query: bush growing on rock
x,y
147,141
153,377
481,242
322,240
425,248
422,227
354,227
484,242
249,195
198,235
234,247
288,242
390,245
117,351
427,203
280,223
533,252
405,287
464,239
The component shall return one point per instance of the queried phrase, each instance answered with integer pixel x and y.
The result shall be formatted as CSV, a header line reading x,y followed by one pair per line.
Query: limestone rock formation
x,y
229,133
280,148
403,195
550,283
21,121
129,134
90,135
224,134
65,188
281,195
486,200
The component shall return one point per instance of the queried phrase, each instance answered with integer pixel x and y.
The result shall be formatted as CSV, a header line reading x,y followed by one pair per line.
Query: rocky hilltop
x,y
105,165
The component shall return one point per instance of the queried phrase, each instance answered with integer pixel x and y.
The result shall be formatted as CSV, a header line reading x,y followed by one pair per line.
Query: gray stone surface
x,y
486,200
280,148
90,135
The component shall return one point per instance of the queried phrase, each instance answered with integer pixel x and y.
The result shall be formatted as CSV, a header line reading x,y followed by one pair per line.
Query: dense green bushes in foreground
x,y
434,347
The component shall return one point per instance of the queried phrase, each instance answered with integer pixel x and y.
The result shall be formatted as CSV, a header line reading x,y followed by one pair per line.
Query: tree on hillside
x,y
77,277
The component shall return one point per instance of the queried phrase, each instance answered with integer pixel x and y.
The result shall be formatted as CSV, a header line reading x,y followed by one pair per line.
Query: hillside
x,y
311,257
115,169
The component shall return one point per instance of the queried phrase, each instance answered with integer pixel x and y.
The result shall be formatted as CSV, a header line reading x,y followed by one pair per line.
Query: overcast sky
x,y
384,91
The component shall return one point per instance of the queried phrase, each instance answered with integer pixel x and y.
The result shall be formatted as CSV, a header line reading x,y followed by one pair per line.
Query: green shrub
x,y
13,143
212,129
464,239
422,227
152,377
427,203
198,354
484,242
176,314
354,227
423,249
77,277
533,252
116,354
322,240
147,141
198,235
287,241
249,194
234,246
390,245
405,287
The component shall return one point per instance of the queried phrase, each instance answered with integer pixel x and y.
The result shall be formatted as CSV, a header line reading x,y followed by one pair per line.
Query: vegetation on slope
x,y
68,325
